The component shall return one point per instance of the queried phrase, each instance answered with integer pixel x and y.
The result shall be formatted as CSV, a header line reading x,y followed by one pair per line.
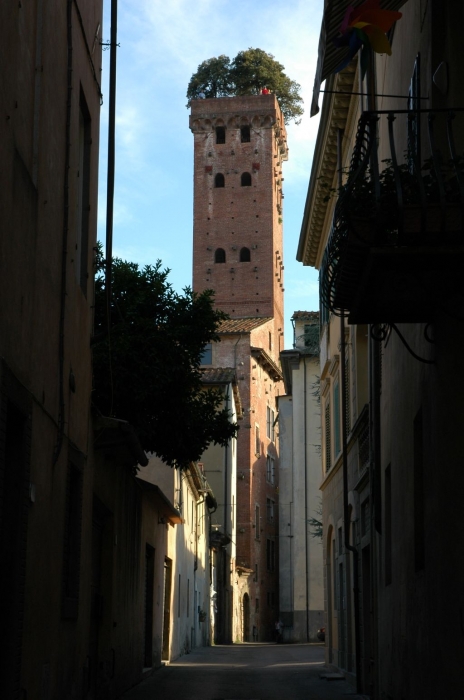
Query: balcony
x,y
395,251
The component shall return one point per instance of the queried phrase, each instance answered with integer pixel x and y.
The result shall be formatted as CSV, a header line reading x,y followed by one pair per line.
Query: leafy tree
x,y
248,73
255,69
212,78
148,370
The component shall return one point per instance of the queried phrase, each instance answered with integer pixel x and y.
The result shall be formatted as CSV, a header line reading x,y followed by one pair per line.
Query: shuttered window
x,y
347,396
336,412
328,460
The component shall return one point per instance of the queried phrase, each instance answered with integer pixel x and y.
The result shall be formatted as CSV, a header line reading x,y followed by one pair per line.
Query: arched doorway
x,y
246,617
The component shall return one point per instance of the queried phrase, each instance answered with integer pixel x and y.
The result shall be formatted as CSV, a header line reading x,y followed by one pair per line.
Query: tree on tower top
x,y
247,74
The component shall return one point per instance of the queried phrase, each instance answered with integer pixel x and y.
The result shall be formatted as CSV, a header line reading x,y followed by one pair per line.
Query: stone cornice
x,y
335,115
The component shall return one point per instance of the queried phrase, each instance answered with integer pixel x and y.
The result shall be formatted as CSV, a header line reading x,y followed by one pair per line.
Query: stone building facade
x,y
239,148
392,485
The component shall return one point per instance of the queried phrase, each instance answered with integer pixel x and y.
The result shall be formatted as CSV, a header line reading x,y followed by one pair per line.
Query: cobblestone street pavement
x,y
245,672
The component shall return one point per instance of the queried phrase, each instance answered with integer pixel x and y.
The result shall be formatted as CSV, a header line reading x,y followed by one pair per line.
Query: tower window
x,y
246,180
245,134
245,255
220,134
220,255
219,180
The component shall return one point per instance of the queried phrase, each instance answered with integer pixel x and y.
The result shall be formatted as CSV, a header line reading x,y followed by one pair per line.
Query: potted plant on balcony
x,y
400,207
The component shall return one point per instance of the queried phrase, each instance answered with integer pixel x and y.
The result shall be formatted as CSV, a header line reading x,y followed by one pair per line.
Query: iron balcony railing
x,y
404,190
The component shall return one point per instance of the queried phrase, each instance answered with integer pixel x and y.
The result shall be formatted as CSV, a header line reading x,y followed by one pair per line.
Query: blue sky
x,y
161,45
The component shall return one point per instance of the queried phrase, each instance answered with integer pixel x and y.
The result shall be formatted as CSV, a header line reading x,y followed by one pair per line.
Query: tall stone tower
x,y
239,146
240,143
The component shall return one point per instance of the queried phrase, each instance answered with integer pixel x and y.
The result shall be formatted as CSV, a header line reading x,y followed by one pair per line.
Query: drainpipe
x,y
226,579
346,515
374,494
374,436
111,157
65,231
306,498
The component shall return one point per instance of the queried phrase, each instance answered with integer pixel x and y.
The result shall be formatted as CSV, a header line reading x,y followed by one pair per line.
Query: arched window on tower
x,y
245,255
220,134
245,134
219,180
220,255
246,180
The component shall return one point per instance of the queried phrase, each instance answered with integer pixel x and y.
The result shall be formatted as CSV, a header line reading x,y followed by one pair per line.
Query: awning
x,y
329,56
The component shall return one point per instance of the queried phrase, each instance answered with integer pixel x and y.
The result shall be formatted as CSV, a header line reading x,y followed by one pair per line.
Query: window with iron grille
x,y
270,509
270,420
328,455
270,555
270,475
72,541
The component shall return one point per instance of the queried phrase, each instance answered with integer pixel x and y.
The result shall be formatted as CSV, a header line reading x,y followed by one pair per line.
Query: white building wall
x,y
301,554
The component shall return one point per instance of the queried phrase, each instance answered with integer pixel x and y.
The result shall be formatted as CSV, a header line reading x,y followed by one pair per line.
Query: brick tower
x,y
239,146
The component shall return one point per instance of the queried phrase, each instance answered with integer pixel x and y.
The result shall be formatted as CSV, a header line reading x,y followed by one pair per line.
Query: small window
x,y
270,473
207,356
270,421
270,555
246,180
220,255
219,180
257,441
328,437
245,134
245,255
270,510
220,134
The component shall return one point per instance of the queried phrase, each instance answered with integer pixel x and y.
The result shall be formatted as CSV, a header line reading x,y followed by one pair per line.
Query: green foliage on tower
x,y
148,370
248,73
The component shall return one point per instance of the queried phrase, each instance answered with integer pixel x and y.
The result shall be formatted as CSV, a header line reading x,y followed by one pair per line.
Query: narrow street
x,y
245,672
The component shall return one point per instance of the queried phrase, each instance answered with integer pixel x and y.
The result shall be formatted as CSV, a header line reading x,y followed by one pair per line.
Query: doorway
x,y
148,611
167,608
246,618
366,618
